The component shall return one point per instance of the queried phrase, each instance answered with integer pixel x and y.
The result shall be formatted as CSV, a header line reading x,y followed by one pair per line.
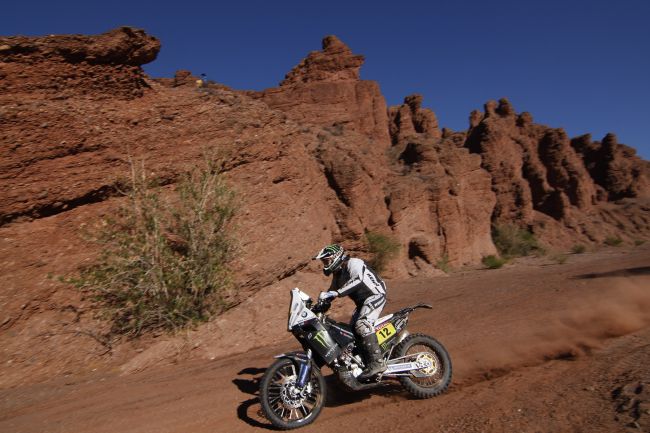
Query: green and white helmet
x,y
332,256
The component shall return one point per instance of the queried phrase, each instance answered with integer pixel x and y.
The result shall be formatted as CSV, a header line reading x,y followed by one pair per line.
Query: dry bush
x,y
613,241
512,241
163,264
578,249
493,262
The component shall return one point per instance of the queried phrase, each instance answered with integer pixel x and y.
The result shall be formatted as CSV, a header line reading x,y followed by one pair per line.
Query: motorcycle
x,y
292,390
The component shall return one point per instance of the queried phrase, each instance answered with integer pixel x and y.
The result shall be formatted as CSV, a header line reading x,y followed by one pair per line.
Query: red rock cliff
x,y
431,206
318,159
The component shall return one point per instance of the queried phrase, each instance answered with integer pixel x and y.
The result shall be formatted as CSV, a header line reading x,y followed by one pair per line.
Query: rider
x,y
352,277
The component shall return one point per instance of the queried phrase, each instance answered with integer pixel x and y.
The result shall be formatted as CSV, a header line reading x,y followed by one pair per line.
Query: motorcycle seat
x,y
382,320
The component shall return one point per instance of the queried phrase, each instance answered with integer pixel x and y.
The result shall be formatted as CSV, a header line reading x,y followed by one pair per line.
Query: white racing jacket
x,y
356,280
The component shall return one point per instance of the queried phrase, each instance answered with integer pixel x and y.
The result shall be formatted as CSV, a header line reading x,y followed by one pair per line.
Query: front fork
x,y
305,370
303,361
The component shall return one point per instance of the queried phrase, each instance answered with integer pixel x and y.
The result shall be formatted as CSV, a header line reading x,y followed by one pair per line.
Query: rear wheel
x,y
435,375
283,403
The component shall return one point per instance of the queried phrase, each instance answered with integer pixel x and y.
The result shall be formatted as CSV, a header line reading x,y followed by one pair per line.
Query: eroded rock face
x,y
324,93
357,150
441,200
533,168
546,181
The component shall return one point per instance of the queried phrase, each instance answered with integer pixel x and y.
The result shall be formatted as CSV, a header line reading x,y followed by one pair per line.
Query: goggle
x,y
327,261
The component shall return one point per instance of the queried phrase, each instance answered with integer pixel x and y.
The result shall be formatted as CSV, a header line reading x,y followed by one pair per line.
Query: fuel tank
x,y
341,332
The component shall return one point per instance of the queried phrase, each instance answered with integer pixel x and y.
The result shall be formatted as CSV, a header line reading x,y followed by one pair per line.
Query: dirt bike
x,y
292,390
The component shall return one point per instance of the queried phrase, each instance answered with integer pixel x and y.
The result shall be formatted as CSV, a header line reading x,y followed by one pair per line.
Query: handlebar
x,y
321,306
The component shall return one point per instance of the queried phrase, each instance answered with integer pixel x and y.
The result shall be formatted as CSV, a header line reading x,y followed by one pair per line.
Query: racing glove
x,y
324,296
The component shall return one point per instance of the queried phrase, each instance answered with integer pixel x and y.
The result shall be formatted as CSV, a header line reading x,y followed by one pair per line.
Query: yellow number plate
x,y
385,333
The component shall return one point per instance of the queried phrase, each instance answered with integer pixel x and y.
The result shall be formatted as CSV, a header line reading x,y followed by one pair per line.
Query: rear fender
x,y
410,309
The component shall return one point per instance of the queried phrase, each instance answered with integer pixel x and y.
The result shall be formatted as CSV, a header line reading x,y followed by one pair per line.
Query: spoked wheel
x,y
286,405
435,375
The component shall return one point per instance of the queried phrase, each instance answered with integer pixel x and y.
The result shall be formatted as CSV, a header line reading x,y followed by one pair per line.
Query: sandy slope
x,y
537,347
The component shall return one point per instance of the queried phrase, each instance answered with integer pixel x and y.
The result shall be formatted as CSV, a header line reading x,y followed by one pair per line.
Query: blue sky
x,y
580,65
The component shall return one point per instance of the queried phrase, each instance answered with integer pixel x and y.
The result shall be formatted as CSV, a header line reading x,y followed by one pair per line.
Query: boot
x,y
374,362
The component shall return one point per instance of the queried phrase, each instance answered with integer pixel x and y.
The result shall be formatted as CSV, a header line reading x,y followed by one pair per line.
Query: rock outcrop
x,y
411,120
431,210
544,179
122,46
441,201
615,169
325,89
100,66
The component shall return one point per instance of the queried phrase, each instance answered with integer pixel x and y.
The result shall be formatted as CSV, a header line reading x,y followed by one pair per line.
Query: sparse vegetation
x,y
443,264
512,241
383,249
613,241
638,242
578,249
163,264
493,262
560,259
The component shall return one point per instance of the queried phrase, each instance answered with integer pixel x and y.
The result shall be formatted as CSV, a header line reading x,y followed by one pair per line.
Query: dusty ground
x,y
537,347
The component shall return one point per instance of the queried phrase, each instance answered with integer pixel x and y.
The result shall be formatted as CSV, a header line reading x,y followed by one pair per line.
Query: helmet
x,y
332,256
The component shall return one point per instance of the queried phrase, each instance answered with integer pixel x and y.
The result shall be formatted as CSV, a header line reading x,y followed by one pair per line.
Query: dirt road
x,y
536,347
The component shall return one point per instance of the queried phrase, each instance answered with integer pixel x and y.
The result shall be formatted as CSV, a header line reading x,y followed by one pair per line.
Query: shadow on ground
x,y
250,410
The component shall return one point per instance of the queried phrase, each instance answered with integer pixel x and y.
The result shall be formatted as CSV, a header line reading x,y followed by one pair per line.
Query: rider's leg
x,y
364,327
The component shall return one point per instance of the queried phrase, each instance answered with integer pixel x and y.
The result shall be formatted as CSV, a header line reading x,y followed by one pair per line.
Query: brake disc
x,y
292,397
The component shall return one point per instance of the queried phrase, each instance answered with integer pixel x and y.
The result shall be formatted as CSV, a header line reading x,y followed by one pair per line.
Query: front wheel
x,y
433,379
286,405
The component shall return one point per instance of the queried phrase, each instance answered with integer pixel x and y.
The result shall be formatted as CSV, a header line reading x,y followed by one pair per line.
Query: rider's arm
x,y
355,269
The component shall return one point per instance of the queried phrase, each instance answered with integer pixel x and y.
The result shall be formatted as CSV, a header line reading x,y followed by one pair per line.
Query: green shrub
x,y
493,262
638,242
613,241
578,249
512,241
443,264
383,249
163,263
